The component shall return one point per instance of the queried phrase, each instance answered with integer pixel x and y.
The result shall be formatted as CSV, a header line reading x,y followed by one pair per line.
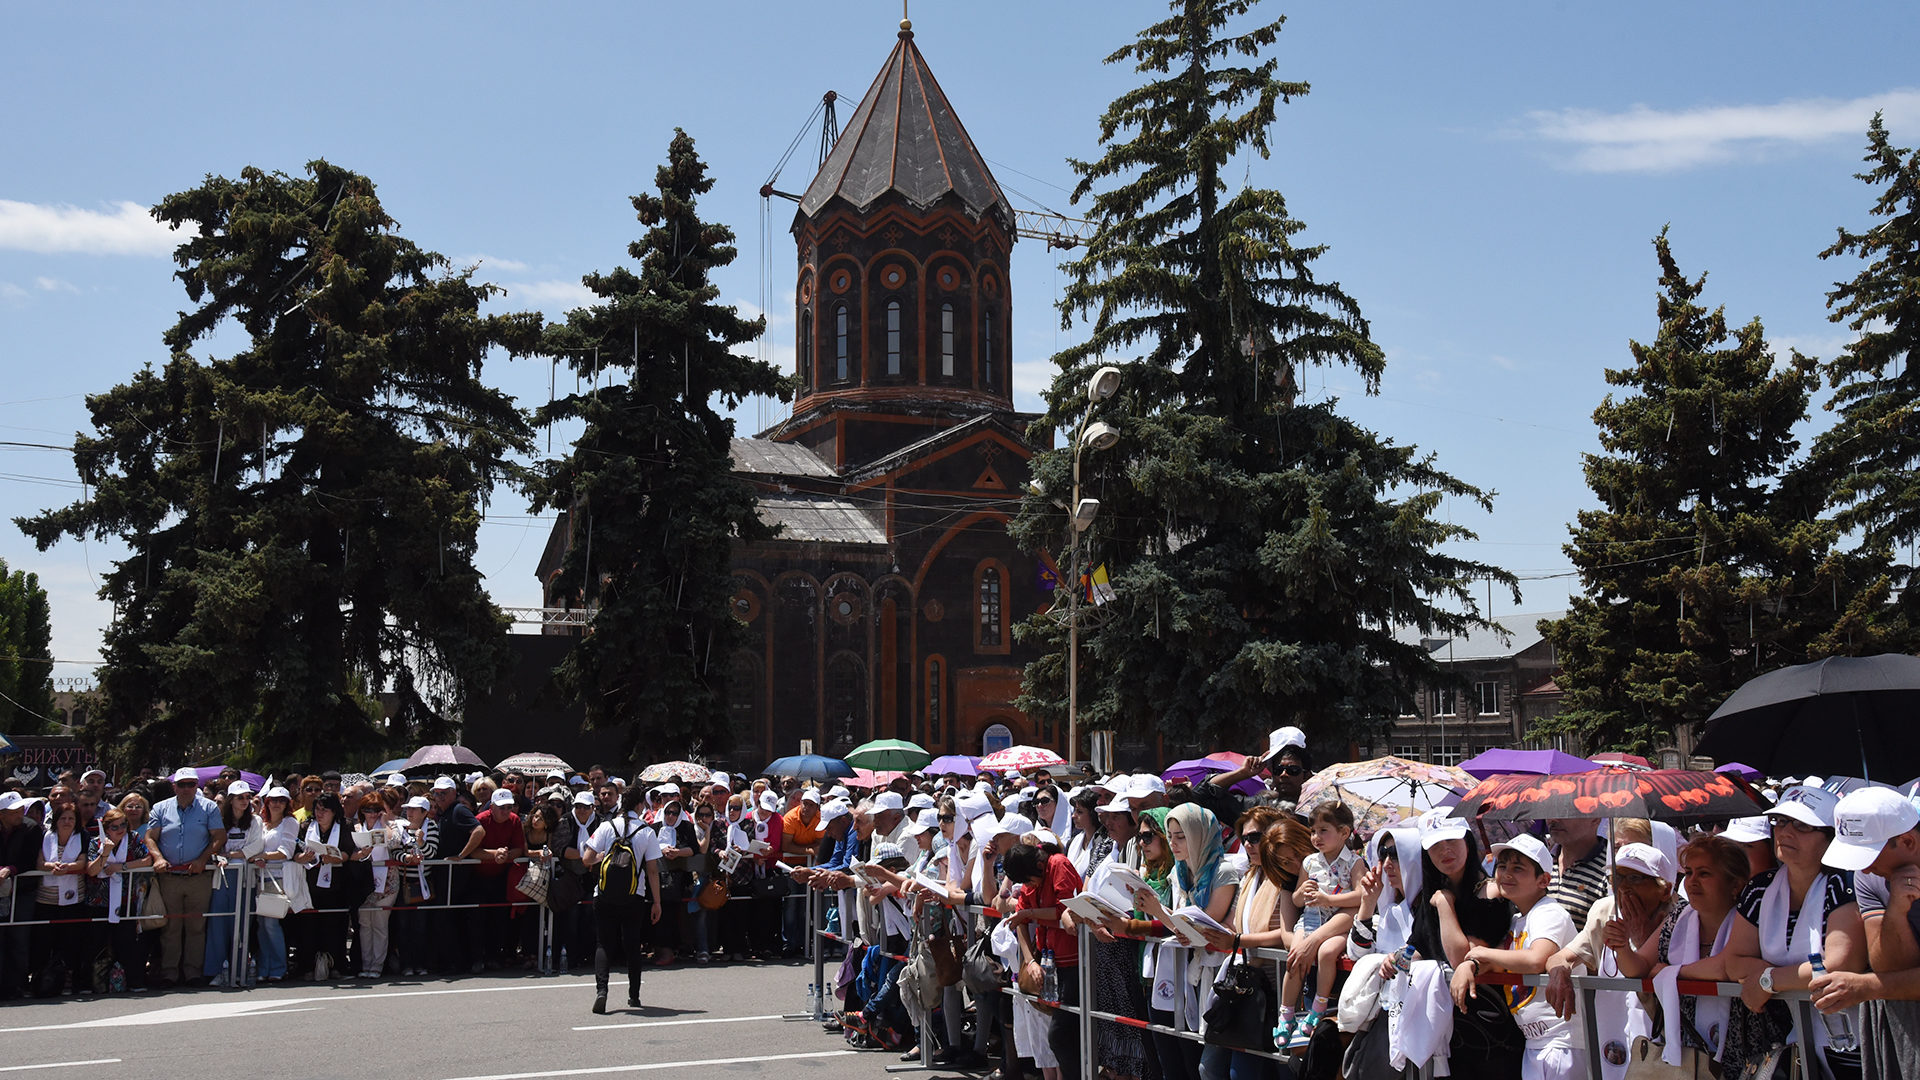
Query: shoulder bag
x,y
1242,1015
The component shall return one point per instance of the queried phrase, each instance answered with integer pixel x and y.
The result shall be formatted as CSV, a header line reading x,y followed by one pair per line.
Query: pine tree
x,y
26,657
1264,549
654,502
1697,571
1866,464
303,513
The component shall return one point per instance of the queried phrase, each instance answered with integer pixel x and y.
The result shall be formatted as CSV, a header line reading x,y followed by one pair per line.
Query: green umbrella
x,y
889,755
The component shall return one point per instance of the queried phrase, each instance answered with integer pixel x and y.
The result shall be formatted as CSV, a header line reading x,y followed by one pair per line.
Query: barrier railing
x,y
1588,988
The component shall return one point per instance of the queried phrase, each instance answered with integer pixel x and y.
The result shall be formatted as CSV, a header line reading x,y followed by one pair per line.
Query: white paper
x,y
363,838
759,847
1092,908
1186,922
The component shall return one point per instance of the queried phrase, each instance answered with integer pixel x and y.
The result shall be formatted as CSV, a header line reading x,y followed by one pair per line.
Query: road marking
x,y
60,1064
649,1066
676,1023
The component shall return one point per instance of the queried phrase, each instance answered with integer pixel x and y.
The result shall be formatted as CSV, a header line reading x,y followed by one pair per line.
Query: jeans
x,y
270,944
1226,1063
219,924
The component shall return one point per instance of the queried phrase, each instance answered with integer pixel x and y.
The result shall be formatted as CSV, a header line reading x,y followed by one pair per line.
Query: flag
x,y
1047,579
1099,587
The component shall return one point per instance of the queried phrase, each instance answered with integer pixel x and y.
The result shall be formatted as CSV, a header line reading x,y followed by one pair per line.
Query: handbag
x,y
533,884
770,887
948,951
1032,979
713,895
1242,1014
153,910
564,891
980,970
271,901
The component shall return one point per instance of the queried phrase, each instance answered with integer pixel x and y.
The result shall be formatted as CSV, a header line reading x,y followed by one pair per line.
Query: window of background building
x,y
996,737
990,627
1409,751
1447,754
933,700
893,337
1487,698
806,349
988,360
1445,705
946,340
842,358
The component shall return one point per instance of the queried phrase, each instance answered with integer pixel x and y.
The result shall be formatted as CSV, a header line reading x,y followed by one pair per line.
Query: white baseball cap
x,y
1526,844
1119,805
418,802
1807,805
1045,836
1017,824
888,800
1863,822
838,791
770,802
397,780
101,773
833,810
1438,825
971,804
985,828
1749,830
556,774
928,821
183,774
1645,858
278,792
1142,785
811,795
503,797
11,800
239,787
920,801
723,780
1281,738
582,799
445,783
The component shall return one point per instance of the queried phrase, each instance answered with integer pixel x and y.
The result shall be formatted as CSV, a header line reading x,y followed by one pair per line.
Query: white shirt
x,y
646,844
1548,921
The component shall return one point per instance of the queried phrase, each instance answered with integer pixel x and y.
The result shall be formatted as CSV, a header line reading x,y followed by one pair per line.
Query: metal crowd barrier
x,y
1588,987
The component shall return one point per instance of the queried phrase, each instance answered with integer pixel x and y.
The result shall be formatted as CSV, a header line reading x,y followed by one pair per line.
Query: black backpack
x,y
620,871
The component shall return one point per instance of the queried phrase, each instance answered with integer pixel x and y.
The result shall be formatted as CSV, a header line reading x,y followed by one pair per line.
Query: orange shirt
x,y
798,832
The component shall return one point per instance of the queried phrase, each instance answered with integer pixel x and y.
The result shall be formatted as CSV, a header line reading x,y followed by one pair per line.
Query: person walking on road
x,y
626,855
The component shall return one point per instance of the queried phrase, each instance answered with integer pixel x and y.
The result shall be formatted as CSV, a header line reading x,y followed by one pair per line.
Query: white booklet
x,y
1186,923
1092,908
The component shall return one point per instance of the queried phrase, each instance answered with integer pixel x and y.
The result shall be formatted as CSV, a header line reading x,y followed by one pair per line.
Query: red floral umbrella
x,y
1661,794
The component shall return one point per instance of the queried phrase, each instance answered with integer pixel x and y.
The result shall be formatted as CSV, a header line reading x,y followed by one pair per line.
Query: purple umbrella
x,y
1539,762
1195,770
212,772
1745,772
962,764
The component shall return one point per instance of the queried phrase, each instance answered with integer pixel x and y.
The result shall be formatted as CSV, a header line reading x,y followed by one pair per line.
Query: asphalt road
x,y
720,1020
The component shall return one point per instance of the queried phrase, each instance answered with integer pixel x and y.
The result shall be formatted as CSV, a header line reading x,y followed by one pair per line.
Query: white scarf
x,y
1809,932
113,881
65,887
1709,1013
325,878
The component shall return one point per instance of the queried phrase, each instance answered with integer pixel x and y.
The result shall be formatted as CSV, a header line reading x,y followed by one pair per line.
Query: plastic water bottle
x,y
813,999
253,970
1049,978
1840,1023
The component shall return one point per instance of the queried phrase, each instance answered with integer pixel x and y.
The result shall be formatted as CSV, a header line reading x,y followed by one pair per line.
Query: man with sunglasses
x,y
1285,765
183,833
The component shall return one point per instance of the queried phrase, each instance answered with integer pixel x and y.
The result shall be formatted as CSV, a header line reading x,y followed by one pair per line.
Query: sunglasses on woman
x,y
1251,839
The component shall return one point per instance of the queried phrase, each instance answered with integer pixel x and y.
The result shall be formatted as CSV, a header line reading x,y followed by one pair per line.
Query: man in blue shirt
x,y
183,834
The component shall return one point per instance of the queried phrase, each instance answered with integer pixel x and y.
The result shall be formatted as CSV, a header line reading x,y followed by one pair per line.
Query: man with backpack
x,y
619,853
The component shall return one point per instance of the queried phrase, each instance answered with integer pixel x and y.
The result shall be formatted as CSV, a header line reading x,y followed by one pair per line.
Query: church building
x,y
885,607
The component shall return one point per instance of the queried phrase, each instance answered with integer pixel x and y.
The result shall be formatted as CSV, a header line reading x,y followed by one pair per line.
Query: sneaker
x,y
1303,1028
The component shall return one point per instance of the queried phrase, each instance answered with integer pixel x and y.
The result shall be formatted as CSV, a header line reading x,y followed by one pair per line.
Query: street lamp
x,y
1100,436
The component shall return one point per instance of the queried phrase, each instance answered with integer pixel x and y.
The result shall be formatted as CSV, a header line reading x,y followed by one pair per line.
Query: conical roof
x,y
905,138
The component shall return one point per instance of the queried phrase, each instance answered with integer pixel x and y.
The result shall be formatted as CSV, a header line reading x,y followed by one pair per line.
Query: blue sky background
x,y
1488,176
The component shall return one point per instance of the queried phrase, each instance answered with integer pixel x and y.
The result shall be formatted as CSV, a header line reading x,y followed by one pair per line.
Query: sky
x,y
1488,179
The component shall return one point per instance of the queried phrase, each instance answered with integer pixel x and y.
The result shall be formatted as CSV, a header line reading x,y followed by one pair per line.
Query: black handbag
x,y
1243,1011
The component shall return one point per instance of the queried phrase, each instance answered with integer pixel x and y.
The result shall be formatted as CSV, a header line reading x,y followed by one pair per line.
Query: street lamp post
x,y
1100,436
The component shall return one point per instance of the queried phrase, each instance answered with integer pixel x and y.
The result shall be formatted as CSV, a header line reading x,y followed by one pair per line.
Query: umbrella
x,y
1194,770
1745,772
1831,716
685,770
534,762
1539,762
1021,759
808,767
895,754
398,764
443,754
1661,794
962,764
212,772
1624,761
1386,790
7,747
868,778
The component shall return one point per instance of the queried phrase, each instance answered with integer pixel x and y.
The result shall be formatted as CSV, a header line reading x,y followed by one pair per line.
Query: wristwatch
x,y
1766,979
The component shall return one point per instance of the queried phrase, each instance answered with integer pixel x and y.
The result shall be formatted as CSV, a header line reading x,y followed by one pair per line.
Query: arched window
x,y
989,360
842,356
996,737
893,337
806,349
992,632
946,340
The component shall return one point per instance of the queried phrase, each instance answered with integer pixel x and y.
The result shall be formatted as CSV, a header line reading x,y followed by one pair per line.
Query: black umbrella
x,y
1845,715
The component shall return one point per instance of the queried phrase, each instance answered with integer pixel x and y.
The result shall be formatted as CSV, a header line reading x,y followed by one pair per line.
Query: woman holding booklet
x,y
1204,886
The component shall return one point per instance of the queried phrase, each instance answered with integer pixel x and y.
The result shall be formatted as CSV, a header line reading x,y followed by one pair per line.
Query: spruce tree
x,y
26,659
649,485
1866,465
1697,570
1264,549
302,513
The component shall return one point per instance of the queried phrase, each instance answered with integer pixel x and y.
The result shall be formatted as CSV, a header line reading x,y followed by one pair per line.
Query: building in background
x,y
1501,685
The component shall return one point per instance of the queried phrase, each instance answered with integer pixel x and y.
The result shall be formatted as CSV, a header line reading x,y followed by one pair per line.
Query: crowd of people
x,y
107,888
1376,952
1389,950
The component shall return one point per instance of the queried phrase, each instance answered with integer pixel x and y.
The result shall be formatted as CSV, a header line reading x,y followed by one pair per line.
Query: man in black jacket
x,y
19,852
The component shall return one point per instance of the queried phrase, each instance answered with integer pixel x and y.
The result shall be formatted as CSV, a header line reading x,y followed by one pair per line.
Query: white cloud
x,y
1644,139
552,296
47,284
491,262
125,228
1821,346
10,291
